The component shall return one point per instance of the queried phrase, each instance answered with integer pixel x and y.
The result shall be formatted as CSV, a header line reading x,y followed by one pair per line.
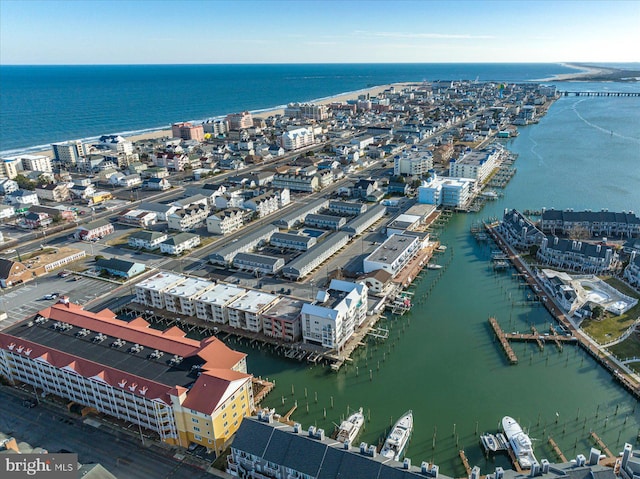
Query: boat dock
x,y
465,462
540,339
557,450
511,356
627,380
603,447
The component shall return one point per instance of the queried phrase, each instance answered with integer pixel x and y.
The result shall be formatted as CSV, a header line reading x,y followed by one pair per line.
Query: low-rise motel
x,y
185,391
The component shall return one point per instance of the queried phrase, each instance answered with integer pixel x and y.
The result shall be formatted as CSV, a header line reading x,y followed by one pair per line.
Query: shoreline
x,y
165,131
593,73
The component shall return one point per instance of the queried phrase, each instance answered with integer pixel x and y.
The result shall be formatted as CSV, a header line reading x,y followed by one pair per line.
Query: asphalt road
x,y
121,453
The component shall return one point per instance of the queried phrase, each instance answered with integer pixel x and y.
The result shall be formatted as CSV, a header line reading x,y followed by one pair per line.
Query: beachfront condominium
x,y
36,163
240,121
69,152
451,192
297,138
187,131
9,167
182,390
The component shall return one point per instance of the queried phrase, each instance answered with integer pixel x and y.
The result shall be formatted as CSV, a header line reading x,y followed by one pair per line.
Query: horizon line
x,y
583,63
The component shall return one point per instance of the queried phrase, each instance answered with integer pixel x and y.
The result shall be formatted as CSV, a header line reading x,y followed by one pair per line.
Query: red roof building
x,y
183,390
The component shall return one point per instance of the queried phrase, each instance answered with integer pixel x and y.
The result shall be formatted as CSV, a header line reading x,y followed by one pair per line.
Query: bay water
x,y
442,361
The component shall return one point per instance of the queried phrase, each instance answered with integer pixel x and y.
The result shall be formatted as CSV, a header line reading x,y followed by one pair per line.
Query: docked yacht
x,y
519,441
349,429
398,438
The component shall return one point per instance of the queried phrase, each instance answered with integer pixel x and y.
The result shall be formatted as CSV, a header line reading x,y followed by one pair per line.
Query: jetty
x,y
511,355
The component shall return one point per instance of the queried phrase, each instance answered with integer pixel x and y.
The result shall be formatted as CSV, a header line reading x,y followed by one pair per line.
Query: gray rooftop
x,y
365,217
317,250
391,249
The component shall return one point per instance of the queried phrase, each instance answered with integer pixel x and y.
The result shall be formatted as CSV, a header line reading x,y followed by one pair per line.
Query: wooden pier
x,y
465,462
603,447
514,460
557,450
261,389
513,359
599,93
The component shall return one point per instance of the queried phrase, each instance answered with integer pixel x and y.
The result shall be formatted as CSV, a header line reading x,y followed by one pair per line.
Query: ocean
x,y
40,105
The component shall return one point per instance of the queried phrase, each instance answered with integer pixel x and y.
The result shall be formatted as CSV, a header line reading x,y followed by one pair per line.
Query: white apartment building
x,y
213,304
335,315
181,297
415,162
9,167
188,218
264,204
296,182
476,165
632,271
116,143
226,221
452,192
140,218
246,311
393,255
150,292
150,240
36,163
297,138
180,243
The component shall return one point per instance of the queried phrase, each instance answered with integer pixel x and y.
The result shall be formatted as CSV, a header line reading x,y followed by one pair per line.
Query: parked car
x,y
51,296
64,274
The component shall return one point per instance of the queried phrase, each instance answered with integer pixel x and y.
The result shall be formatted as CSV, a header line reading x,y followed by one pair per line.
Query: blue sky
x,y
298,31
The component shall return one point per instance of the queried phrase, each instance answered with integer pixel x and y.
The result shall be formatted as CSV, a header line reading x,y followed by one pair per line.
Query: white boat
x,y
398,438
519,441
349,429
490,442
433,266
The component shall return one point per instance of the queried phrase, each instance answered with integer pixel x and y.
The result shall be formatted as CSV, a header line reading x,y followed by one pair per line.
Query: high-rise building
x,y
68,152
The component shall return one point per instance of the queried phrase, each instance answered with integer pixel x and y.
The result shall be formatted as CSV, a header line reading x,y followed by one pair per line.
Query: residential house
x,y
577,255
7,211
8,186
363,188
632,271
180,243
95,229
53,192
14,272
149,240
160,209
188,218
258,264
264,204
157,184
22,199
138,217
36,220
519,231
225,221
119,267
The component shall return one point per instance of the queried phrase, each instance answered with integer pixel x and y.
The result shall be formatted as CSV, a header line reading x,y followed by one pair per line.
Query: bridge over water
x,y
599,93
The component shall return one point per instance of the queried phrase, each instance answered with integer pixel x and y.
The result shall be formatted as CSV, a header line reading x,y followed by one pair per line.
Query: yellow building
x,y
100,197
181,390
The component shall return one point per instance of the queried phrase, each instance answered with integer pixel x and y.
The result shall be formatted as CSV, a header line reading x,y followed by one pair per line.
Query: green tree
x,y
25,183
597,312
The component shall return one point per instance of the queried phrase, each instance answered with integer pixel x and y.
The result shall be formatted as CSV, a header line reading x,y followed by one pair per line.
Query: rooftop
x,y
287,309
221,294
190,287
161,281
391,249
253,301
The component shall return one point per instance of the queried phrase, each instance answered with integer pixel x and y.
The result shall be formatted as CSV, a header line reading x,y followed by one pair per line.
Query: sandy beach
x,y
585,72
373,91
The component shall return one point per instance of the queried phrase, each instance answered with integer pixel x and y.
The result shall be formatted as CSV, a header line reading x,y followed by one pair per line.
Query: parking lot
x,y
26,300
